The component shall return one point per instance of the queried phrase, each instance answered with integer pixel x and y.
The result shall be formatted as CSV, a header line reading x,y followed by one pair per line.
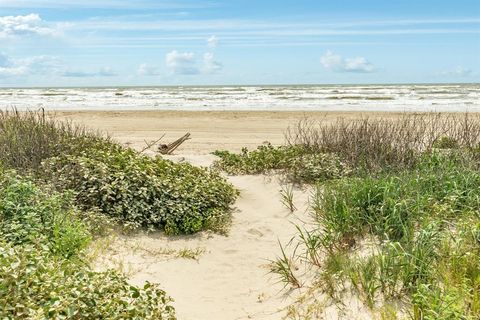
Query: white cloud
x,y
458,71
32,24
181,62
331,60
106,72
337,63
212,42
146,70
210,65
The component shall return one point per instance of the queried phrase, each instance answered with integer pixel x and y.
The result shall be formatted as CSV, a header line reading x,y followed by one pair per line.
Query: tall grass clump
x,y
43,270
424,225
381,144
28,138
137,190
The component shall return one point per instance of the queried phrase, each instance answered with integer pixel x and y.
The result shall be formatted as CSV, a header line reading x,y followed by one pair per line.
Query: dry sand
x,y
229,279
211,130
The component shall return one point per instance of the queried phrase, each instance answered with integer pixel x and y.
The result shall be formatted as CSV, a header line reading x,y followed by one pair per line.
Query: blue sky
x,y
146,42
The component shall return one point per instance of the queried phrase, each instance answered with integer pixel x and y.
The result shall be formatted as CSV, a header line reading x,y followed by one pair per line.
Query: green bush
x,y
35,285
310,168
265,158
33,215
43,274
141,191
114,180
297,163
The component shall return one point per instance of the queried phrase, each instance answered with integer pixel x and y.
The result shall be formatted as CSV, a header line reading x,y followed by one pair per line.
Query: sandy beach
x,y
229,279
229,130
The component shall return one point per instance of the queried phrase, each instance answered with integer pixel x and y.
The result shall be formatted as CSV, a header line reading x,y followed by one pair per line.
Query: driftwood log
x,y
169,148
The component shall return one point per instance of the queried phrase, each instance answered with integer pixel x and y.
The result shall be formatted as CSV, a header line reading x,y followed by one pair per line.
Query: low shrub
x,y
265,158
43,272
297,163
35,285
34,215
313,167
109,178
141,191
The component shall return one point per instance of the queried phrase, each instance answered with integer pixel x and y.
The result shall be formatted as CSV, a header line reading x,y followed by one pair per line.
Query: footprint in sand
x,y
255,232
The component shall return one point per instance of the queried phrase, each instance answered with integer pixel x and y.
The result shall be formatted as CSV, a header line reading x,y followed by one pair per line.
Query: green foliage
x,y
33,215
425,228
286,197
111,179
387,206
284,268
265,158
446,143
299,164
42,270
432,302
141,191
316,167
35,285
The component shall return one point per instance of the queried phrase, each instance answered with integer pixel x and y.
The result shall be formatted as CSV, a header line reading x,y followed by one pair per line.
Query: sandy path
x,y
231,278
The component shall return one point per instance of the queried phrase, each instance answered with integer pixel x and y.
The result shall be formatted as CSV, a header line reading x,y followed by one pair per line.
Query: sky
x,y
228,42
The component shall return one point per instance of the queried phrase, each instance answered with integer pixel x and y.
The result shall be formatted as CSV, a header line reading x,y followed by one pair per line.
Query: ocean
x,y
395,98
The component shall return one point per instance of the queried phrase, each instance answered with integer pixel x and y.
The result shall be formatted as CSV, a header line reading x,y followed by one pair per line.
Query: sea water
x,y
405,97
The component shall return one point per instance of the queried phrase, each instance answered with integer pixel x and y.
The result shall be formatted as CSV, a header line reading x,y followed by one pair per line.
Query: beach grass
x,y
400,231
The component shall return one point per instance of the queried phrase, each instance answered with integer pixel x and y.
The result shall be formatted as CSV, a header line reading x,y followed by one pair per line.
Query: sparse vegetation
x,y
286,194
384,144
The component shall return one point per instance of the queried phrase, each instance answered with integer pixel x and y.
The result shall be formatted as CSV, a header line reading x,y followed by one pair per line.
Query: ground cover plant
x,y
299,164
139,191
43,270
